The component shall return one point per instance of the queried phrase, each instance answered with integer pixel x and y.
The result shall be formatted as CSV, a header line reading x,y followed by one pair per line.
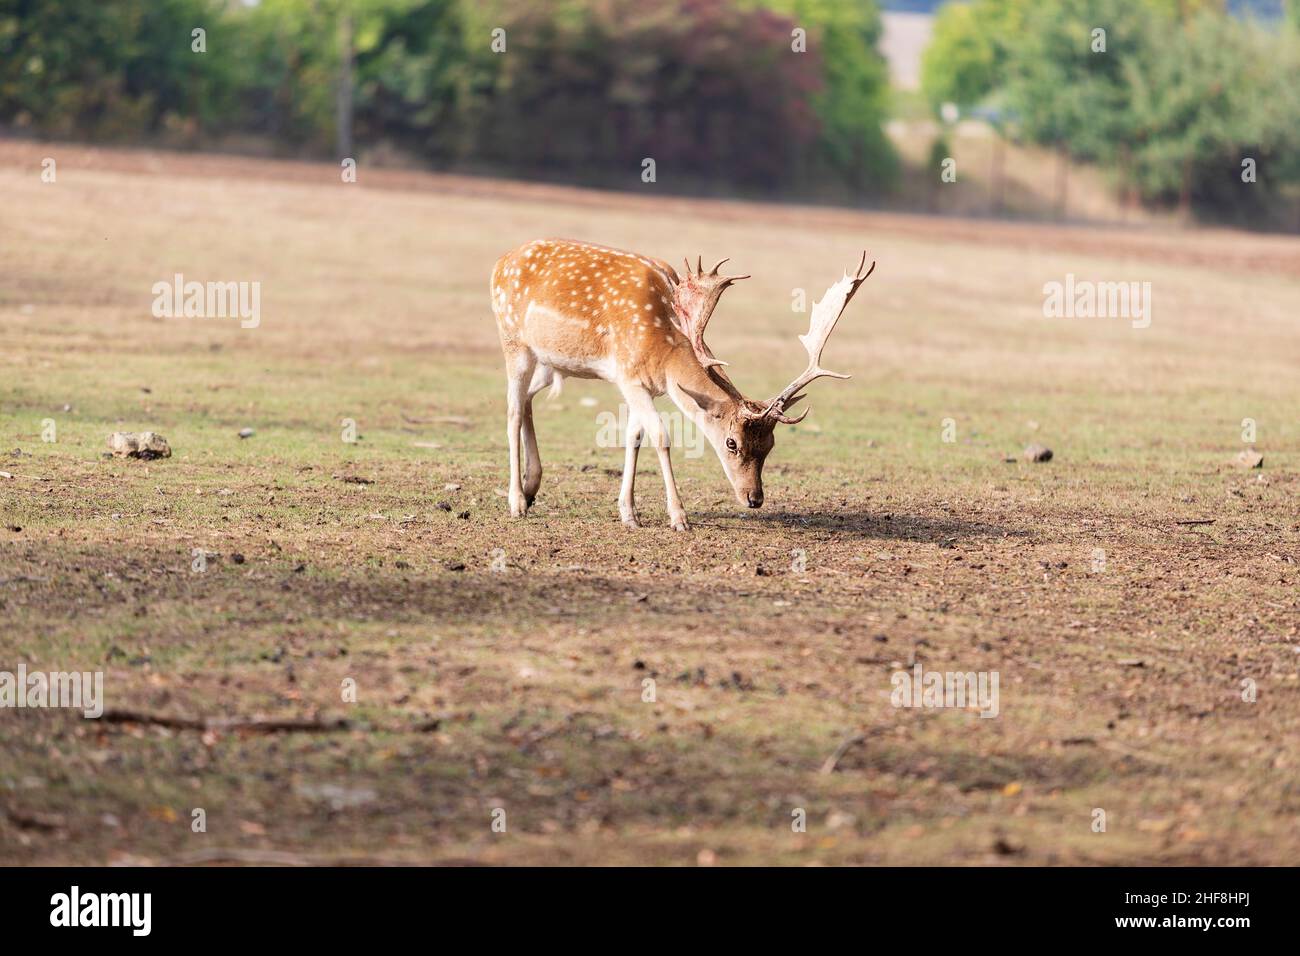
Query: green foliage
x,y
708,96
711,89
1065,92
1180,96
413,71
853,101
112,68
965,59
1214,93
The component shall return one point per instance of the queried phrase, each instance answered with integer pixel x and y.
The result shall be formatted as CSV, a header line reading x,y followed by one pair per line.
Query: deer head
x,y
740,429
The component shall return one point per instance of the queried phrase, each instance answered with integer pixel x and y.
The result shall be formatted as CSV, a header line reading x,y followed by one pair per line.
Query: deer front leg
x,y
626,500
519,372
642,405
676,513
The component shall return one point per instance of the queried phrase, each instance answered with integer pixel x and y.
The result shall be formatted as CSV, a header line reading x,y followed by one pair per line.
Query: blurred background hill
x,y
834,101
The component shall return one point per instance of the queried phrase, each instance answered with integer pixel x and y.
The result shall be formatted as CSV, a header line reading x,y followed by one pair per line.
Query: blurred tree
x,y
852,104
114,68
1212,93
965,60
289,72
711,96
711,89
415,74
1064,92
1179,96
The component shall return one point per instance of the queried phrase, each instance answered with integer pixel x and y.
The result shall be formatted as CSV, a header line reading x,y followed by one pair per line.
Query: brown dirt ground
x,y
522,689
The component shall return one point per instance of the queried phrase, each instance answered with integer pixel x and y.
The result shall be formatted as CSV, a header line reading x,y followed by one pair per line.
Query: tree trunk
x,y
995,175
1185,191
1062,180
345,87
1125,181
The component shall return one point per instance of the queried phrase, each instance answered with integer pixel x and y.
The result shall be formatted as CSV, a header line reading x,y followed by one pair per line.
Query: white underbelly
x,y
576,367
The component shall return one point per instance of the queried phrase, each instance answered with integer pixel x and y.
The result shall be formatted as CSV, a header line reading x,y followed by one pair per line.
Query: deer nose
x,y
755,499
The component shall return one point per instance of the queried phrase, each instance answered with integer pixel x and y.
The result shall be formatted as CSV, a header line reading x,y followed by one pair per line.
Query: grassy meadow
x,y
501,665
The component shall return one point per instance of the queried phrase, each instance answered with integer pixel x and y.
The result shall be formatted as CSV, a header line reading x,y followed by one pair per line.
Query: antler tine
x,y
777,416
821,323
714,270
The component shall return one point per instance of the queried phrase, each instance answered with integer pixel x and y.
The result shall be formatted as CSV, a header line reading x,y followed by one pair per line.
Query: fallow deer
x,y
568,308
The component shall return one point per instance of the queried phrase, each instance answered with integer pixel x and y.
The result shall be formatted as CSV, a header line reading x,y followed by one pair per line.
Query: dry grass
x,y
522,689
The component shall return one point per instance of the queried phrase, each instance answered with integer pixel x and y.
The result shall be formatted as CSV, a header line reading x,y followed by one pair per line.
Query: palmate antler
x,y
820,325
694,298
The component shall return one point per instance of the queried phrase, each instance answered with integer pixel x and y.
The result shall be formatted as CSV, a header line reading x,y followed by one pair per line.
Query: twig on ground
x,y
248,857
264,725
852,740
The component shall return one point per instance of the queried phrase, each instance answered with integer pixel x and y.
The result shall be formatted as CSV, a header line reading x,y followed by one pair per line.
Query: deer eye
x,y
731,444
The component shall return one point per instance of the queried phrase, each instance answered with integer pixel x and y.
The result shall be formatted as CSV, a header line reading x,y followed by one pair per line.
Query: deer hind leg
x,y
519,373
642,406
542,377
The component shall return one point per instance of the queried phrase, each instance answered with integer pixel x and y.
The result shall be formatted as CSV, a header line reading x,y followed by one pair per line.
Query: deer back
x,y
585,309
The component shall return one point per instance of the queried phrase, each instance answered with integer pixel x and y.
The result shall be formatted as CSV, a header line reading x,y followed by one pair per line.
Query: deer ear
x,y
709,405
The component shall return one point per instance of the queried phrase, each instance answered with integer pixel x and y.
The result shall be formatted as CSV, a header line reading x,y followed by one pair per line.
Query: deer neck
x,y
698,395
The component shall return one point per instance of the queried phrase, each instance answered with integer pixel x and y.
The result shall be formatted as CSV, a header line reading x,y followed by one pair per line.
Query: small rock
x,y
455,565
451,486
443,506
246,433
1005,846
337,797
836,820
1037,452
237,558
463,516
1249,458
145,445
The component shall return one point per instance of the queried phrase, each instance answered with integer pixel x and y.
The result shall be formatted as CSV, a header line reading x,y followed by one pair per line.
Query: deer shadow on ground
x,y
883,526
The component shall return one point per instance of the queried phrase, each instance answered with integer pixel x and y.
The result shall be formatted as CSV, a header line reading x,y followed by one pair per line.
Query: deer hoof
x,y
681,525
631,522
